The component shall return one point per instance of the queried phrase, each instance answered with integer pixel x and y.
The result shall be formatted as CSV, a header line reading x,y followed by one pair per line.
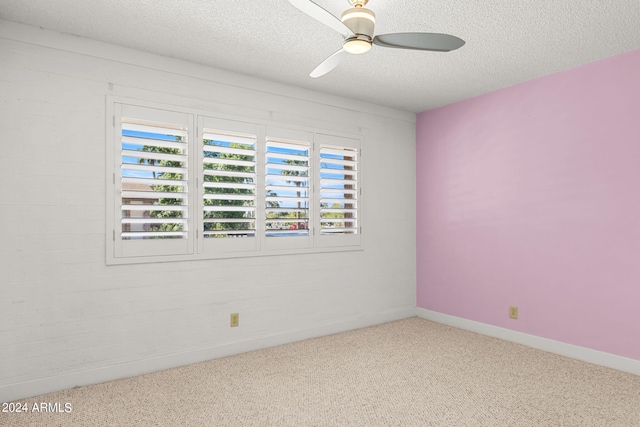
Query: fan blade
x,y
321,15
419,41
328,64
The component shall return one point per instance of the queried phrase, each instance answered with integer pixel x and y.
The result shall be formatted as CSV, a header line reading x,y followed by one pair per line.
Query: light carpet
x,y
411,372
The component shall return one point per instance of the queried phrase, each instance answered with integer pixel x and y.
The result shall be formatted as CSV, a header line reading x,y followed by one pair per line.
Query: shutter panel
x,y
287,187
154,180
229,184
339,191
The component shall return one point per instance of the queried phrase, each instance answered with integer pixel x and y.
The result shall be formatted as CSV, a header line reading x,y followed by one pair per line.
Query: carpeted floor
x,y
411,372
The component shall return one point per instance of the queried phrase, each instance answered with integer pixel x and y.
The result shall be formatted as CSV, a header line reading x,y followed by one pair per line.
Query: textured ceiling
x,y
506,42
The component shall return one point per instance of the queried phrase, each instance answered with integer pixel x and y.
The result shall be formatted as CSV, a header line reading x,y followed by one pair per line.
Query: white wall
x,y
67,319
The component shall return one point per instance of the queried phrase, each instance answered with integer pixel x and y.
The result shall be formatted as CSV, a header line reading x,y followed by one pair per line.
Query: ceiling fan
x,y
356,26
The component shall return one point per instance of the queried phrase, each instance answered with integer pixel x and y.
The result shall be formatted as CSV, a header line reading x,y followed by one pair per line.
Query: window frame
x,y
196,246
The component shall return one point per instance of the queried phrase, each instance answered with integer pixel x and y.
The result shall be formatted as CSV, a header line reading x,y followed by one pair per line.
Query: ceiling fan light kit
x,y
357,45
357,27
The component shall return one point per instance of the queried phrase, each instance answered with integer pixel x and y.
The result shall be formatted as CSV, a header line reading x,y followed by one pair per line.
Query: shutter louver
x,y
338,190
287,188
154,193
229,184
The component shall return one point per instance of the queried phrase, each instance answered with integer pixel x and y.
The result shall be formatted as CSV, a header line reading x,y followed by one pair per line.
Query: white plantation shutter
x,y
183,185
229,184
287,187
339,190
153,178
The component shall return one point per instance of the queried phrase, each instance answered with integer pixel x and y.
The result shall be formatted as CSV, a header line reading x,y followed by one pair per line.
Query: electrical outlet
x,y
513,312
235,319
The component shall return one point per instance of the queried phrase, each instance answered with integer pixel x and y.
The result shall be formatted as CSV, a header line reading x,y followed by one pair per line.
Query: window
x,y
152,183
188,186
229,185
287,189
338,190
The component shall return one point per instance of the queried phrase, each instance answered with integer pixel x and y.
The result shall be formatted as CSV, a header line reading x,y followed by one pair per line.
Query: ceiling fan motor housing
x,y
360,20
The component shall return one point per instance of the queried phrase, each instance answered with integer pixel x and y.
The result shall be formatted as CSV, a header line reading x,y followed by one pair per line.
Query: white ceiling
x,y
506,41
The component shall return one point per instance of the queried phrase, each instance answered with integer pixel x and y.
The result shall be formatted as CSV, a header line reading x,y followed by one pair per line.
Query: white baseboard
x,y
70,380
569,350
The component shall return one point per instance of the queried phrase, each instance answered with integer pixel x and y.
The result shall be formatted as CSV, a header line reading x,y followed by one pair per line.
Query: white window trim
x,y
199,248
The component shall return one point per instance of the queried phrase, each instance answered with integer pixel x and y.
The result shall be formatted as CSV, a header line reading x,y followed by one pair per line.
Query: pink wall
x,y
530,196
